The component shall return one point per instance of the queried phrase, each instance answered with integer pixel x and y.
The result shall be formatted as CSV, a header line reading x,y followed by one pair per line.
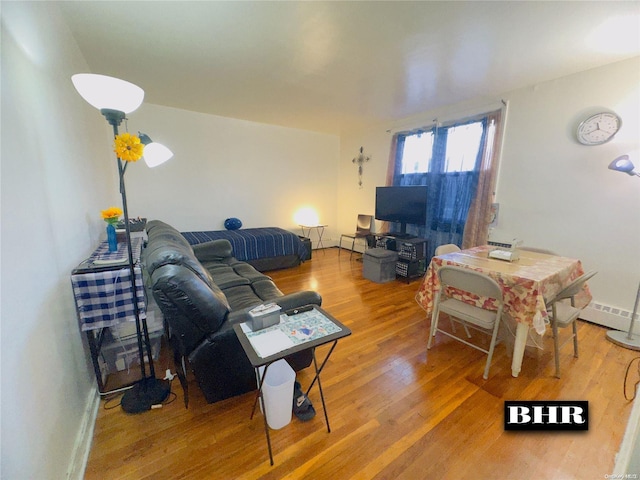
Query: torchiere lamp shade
x,y
109,93
623,164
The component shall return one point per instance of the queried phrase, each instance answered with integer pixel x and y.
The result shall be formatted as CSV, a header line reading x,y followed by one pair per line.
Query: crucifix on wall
x,y
360,160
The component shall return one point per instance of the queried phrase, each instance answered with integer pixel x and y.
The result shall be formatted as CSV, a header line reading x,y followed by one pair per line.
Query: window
x,y
416,153
456,163
462,143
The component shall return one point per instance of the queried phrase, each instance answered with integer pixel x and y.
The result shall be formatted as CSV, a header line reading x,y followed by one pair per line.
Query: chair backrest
x,y
364,224
470,281
574,287
447,248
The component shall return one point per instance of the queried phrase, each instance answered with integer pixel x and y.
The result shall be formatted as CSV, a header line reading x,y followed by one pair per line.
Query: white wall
x,y
549,180
354,199
55,181
553,192
225,168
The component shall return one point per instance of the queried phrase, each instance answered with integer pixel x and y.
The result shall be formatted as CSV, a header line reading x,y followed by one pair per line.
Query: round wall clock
x,y
599,128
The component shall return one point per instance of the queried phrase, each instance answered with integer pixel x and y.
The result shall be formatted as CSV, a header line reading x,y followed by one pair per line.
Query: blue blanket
x,y
255,243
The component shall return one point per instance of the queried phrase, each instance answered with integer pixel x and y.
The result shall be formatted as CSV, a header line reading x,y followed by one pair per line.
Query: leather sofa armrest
x,y
213,251
286,302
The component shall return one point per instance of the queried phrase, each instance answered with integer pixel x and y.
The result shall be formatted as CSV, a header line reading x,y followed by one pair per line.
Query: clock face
x,y
598,128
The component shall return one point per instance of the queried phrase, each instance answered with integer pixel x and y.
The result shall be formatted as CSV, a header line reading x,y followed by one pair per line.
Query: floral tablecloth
x,y
525,283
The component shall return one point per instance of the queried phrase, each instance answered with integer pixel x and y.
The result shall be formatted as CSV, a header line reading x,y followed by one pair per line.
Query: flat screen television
x,y
405,205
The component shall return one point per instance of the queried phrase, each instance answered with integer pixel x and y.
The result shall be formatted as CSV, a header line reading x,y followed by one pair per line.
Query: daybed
x,y
202,291
269,248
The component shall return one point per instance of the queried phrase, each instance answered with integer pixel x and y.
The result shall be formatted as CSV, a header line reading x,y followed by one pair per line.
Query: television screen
x,y
407,205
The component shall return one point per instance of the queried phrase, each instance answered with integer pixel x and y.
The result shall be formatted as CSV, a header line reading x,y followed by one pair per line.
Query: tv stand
x,y
399,235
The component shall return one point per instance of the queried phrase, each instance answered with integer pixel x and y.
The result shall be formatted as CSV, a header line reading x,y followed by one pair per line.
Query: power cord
x,y
626,379
108,400
172,396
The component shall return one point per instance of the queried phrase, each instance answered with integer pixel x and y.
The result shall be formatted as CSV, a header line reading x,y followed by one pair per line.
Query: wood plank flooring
x,y
393,414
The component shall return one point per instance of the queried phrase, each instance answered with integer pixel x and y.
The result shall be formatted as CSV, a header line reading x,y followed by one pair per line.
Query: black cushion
x,y
192,307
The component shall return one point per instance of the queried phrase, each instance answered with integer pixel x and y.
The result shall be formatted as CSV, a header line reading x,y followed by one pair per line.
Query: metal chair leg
x,y
556,349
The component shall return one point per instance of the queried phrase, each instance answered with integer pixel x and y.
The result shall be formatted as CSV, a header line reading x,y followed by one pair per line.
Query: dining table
x,y
527,284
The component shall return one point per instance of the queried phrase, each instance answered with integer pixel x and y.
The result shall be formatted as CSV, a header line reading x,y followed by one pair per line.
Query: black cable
x,y
626,377
172,396
117,396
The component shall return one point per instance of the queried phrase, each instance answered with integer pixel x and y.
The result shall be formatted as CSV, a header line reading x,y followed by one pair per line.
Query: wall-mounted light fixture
x,y
116,98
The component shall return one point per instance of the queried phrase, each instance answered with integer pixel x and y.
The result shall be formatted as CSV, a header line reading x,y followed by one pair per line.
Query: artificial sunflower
x,y
111,215
128,147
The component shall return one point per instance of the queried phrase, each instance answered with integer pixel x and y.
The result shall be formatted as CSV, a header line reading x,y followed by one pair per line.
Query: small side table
x,y
318,228
324,329
104,297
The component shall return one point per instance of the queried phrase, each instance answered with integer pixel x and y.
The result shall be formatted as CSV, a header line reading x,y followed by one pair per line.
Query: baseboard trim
x,y
82,446
612,317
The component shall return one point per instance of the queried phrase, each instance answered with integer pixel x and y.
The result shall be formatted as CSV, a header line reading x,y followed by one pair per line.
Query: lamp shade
x,y
622,164
109,93
156,154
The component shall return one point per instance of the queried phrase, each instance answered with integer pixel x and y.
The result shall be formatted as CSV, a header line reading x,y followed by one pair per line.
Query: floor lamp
x,y
626,339
116,98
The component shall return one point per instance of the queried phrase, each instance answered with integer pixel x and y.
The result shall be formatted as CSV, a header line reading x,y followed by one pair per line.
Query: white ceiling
x,y
332,66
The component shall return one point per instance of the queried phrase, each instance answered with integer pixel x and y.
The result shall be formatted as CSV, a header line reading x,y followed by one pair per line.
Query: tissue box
x,y
264,316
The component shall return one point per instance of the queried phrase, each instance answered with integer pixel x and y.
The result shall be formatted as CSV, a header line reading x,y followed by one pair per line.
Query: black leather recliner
x,y
202,291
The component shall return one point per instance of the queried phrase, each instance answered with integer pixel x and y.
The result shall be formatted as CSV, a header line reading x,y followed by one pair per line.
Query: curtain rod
x,y
457,116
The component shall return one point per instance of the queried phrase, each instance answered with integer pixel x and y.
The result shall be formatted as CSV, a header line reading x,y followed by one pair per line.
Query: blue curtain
x,y
449,194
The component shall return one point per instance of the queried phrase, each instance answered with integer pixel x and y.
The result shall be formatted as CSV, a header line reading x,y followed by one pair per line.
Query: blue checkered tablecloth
x,y
103,253
104,298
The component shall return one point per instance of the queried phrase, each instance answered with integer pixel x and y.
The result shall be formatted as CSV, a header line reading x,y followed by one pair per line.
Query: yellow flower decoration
x,y
111,215
128,147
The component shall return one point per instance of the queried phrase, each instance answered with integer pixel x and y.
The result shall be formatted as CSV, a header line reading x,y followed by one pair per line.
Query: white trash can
x,y
277,393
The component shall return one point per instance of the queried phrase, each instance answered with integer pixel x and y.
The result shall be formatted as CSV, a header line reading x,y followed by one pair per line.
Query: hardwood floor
x,y
393,414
